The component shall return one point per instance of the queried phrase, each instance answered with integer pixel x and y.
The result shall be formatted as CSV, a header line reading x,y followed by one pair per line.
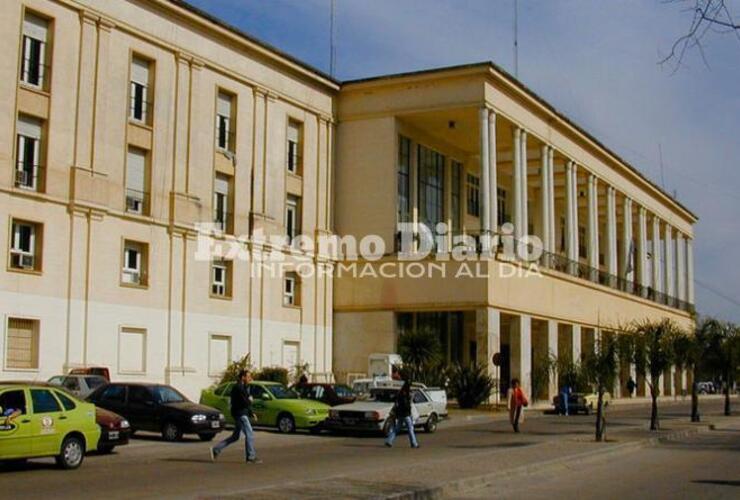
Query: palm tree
x,y
653,355
420,349
600,369
688,351
723,353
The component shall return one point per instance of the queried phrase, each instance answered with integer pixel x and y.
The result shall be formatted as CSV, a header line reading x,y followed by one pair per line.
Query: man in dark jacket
x,y
241,410
403,412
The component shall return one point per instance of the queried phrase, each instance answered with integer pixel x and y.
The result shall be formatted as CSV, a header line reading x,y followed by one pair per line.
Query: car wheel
x,y
431,424
72,453
286,424
207,436
171,432
105,449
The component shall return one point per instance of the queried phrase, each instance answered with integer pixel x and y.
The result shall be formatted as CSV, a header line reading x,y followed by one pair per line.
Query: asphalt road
x,y
149,468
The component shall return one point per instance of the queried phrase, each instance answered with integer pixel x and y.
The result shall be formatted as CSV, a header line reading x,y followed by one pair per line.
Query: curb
x,y
459,486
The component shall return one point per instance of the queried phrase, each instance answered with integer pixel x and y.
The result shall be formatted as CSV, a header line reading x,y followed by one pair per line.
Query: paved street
x,y
303,465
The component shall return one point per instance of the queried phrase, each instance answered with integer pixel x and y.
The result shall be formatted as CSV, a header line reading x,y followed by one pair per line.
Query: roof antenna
x,y
332,48
516,38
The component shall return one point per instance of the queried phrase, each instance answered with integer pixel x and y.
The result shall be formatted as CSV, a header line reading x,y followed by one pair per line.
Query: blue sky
x,y
595,61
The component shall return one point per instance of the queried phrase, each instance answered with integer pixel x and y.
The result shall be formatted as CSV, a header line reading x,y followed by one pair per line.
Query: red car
x,y
331,394
114,430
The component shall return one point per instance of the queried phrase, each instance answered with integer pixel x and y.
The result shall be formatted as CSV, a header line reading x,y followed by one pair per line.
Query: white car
x,y
79,385
371,414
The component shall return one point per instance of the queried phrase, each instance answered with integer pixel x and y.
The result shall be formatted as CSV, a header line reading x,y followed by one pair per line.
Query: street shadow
x,y
189,460
721,482
513,444
158,438
24,466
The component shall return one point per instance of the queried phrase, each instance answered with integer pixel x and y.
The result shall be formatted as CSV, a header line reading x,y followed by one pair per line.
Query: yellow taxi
x,y
41,421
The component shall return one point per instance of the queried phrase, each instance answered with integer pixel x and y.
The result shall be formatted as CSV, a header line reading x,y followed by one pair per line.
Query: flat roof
x,y
490,65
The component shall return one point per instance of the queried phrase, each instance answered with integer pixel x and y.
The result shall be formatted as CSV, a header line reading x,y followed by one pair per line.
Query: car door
x,y
143,409
423,405
15,434
47,422
112,398
260,401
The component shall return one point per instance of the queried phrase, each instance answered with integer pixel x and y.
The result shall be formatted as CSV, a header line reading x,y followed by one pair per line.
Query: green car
x,y
40,421
273,403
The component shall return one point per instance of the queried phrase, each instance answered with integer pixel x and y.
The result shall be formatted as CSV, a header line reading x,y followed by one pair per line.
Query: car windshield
x,y
165,394
282,392
383,395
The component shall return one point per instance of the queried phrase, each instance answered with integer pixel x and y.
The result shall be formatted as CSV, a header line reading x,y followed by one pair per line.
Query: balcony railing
x,y
141,111
222,220
137,202
36,74
28,176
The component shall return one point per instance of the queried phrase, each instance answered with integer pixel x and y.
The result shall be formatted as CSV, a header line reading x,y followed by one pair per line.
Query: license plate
x,y
215,424
350,421
113,435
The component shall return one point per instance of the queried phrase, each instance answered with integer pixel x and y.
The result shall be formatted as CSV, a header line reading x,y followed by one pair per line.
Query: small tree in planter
x,y
723,353
653,355
600,368
273,374
470,385
421,352
688,351
231,373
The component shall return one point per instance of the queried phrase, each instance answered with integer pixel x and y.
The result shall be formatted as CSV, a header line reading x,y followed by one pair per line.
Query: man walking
x,y
404,412
241,410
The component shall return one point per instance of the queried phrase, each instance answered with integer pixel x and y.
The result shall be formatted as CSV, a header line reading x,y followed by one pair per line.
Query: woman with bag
x,y
517,402
403,412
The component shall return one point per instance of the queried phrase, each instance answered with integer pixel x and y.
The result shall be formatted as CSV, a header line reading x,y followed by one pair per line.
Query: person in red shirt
x,y
517,402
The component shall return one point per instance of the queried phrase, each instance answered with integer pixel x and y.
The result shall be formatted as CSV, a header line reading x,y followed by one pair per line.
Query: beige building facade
x,y
128,124
125,124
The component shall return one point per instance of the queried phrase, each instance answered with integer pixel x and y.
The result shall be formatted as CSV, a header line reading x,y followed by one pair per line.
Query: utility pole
x,y
332,48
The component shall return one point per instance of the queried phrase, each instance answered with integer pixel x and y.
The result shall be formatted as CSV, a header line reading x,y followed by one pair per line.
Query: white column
x,y
690,270
657,260
576,343
593,226
628,272
551,194
643,278
493,172
668,245
571,228
552,346
521,352
611,230
484,173
488,340
545,196
574,233
517,145
680,267
525,193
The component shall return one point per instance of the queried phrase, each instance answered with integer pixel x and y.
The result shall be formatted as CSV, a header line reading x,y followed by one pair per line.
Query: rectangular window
x,y
455,194
34,70
132,350
473,195
28,153
221,278
135,257
22,344
222,202
431,187
292,217
291,290
295,132
219,354
137,197
224,123
25,245
404,180
140,108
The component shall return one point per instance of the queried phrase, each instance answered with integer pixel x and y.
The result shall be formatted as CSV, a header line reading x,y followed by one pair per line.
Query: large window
x,y
135,259
222,202
22,344
447,326
294,156
34,70
292,217
28,153
455,194
25,245
404,180
141,96
473,195
137,197
431,187
291,290
221,278
225,123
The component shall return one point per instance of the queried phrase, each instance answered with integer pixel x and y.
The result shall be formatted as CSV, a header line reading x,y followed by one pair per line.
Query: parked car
x,y
580,403
114,430
100,371
159,408
362,386
330,394
79,385
438,397
372,414
51,423
274,404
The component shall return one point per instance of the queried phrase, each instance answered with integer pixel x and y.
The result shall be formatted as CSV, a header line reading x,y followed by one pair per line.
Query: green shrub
x,y
231,372
470,385
272,374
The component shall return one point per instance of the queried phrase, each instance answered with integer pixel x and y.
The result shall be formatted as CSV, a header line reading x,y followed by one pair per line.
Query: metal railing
x,y
137,202
222,220
141,112
225,140
36,74
28,176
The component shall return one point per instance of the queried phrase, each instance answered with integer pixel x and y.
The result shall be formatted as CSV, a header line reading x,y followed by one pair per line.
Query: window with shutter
x,y
136,181
140,107
22,344
35,36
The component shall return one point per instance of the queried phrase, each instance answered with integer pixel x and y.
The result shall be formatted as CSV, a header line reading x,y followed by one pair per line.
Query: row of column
x,y
674,277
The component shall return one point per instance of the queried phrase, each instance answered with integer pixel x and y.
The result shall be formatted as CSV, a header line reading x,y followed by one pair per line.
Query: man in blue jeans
x,y
241,410
404,413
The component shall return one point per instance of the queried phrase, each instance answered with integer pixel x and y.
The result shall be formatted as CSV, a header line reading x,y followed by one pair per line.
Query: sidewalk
x,y
547,441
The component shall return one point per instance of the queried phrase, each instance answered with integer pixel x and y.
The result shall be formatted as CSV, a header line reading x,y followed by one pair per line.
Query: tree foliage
x,y
599,368
231,372
471,385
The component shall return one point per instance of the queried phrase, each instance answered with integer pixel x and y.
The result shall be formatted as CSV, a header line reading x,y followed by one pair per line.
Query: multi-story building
x,y
128,123
124,124
472,148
